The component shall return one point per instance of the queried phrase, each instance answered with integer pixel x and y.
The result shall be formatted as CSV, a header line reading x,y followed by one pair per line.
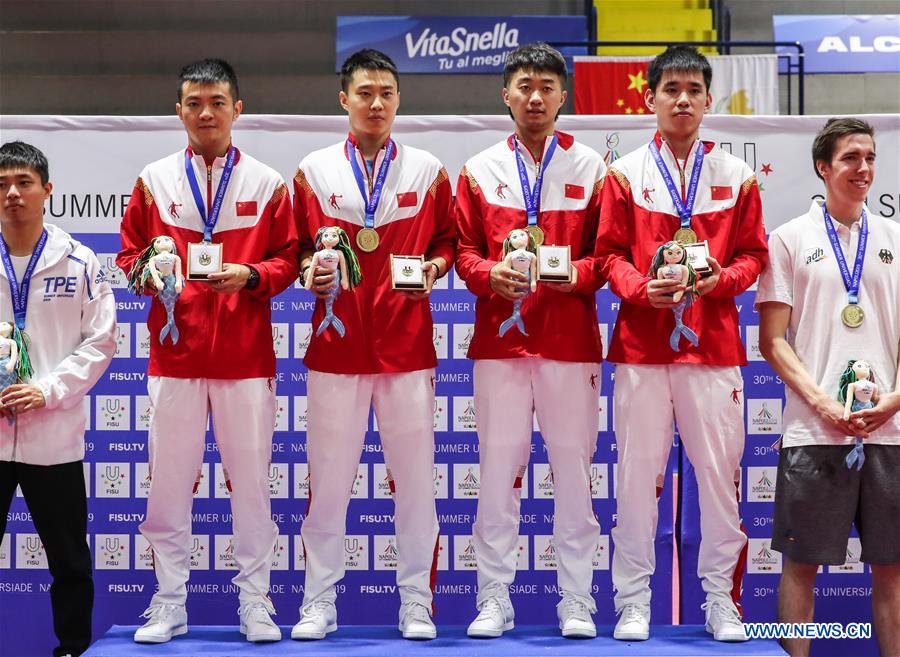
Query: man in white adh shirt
x,y
829,299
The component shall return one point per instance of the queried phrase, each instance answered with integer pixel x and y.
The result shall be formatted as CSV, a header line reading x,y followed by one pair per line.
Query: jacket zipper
x,y
208,188
680,170
15,436
210,294
370,178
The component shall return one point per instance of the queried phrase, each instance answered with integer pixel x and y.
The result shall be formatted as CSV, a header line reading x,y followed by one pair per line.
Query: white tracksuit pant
x,y
243,419
337,413
565,398
708,404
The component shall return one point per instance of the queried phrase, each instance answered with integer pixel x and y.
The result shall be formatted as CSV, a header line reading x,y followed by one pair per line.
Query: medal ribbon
x,y
851,282
531,195
377,186
209,222
684,208
19,292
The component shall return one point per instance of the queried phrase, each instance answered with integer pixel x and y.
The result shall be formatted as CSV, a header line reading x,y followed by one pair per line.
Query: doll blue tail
x,y
514,320
331,320
166,330
856,456
688,334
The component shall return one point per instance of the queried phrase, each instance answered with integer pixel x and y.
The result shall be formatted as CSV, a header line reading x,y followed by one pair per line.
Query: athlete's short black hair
x,y
834,129
537,57
19,155
209,71
369,60
683,59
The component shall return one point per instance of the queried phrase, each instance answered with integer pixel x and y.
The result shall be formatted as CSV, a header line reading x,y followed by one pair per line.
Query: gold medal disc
x,y
367,240
685,236
852,315
536,234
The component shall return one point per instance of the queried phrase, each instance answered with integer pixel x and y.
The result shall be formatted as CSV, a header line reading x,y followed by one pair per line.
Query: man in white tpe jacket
x,y
53,289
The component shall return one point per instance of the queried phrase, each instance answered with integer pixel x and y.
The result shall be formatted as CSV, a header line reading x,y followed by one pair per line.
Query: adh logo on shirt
x,y
886,256
814,254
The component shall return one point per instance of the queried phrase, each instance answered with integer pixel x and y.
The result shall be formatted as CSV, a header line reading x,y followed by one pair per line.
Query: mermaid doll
x,y
15,365
671,263
161,263
857,391
334,254
519,253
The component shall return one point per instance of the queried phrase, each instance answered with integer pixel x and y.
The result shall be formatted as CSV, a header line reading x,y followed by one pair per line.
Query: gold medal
x,y
536,234
685,236
367,240
852,315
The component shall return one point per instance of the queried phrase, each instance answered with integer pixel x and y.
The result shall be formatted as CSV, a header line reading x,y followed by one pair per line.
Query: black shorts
x,y
818,498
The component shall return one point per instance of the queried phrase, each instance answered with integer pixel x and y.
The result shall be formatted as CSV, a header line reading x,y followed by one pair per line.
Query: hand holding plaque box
x,y
407,274
697,253
204,258
554,264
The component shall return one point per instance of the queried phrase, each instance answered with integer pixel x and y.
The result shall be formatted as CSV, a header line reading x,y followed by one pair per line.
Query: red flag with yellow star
x,y
610,85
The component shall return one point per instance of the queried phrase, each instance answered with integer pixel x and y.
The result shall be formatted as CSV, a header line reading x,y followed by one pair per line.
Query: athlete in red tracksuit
x,y
555,369
224,362
700,387
386,357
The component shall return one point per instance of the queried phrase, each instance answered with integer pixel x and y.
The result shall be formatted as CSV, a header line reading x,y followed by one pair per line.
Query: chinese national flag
x,y
610,85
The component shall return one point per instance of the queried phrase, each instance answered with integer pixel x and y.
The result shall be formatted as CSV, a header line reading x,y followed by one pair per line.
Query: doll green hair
x,y
659,260
507,247
140,272
343,245
24,369
848,377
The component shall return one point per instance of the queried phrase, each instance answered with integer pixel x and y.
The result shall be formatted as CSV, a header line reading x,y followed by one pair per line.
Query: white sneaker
x,y
316,620
723,621
257,624
634,623
495,617
165,621
415,622
575,618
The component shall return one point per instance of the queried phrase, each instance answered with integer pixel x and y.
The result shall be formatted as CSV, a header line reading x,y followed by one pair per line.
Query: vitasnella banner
x,y
451,44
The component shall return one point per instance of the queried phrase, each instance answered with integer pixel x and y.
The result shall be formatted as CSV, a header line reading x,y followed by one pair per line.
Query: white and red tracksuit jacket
x,y
489,201
223,336
638,216
387,332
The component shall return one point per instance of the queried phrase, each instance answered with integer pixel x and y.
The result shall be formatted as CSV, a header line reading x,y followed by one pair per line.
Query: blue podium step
x,y
385,641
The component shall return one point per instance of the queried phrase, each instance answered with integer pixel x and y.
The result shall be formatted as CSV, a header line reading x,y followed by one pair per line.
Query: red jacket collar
x,y
237,155
353,140
564,139
707,145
